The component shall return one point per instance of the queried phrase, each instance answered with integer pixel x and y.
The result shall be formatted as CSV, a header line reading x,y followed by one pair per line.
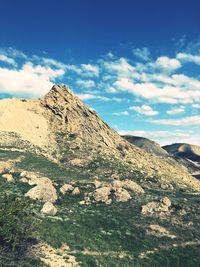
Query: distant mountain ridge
x,y
146,144
185,154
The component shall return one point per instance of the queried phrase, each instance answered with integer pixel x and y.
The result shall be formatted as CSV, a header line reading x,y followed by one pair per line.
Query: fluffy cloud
x,y
167,63
184,57
86,83
92,97
166,94
119,68
32,81
122,113
144,110
7,60
155,134
196,105
89,70
142,53
175,111
187,121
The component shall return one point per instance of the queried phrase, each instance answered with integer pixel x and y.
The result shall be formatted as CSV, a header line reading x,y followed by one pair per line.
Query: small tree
x,y
17,223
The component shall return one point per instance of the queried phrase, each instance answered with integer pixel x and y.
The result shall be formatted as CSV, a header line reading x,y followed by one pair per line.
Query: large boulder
x,y
43,191
102,194
49,209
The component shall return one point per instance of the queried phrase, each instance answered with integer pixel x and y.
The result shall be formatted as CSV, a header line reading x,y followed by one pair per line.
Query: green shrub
x,y
17,223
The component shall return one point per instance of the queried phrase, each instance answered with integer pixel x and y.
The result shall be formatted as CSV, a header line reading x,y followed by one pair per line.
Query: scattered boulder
x,y
43,191
76,191
97,183
133,186
116,185
157,208
49,209
102,194
122,195
66,188
8,177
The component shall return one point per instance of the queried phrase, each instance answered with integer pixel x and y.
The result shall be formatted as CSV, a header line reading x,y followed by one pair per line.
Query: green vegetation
x,y
17,223
97,234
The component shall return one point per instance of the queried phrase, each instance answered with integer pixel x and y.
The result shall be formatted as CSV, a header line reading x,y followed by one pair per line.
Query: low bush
x,y
17,223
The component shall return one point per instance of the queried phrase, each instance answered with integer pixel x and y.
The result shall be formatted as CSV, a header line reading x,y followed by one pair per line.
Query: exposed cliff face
x,y
65,128
67,113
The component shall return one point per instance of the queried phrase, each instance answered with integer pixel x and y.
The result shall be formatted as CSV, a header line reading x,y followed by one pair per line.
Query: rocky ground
x,y
87,219
97,199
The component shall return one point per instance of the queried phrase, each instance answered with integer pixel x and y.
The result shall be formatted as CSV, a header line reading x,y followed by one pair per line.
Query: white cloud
x,y
184,57
144,110
13,53
167,63
90,70
7,60
155,134
122,113
86,83
53,62
119,68
187,121
175,111
33,81
142,53
92,97
196,105
166,94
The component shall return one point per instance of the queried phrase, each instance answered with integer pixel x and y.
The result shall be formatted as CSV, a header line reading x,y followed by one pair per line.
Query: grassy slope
x,y
114,235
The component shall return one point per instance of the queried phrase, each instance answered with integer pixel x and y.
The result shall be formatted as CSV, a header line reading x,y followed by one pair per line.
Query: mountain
x,y
146,144
89,193
60,123
186,154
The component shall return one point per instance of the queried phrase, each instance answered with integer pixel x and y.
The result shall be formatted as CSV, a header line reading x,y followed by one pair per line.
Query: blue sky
x,y
137,63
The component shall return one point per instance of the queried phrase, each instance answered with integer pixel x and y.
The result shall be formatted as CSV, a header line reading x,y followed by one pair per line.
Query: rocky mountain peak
x,y
67,113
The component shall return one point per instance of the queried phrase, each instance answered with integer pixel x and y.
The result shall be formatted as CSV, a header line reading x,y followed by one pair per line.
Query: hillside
x,y
146,144
97,199
186,154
